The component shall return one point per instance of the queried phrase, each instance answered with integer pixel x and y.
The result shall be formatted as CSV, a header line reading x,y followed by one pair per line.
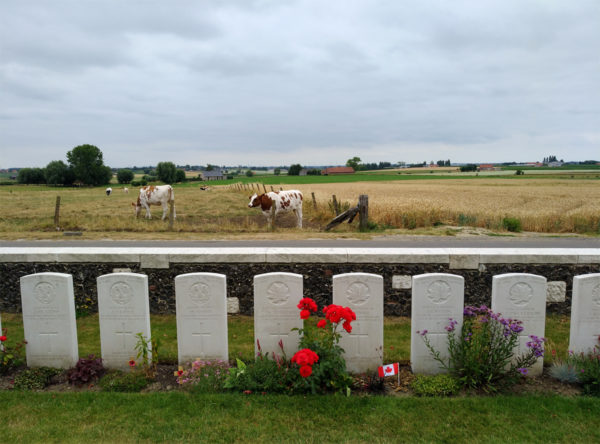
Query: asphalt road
x,y
382,242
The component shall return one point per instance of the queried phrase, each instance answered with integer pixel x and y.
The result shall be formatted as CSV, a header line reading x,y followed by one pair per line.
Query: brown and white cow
x,y
282,201
154,195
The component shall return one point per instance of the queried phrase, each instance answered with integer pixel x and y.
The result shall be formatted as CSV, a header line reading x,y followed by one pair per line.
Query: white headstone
x,y
363,293
585,313
522,296
276,297
436,298
201,304
49,320
124,311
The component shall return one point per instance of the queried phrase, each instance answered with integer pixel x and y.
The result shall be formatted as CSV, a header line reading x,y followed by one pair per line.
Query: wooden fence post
x,y
57,212
363,212
171,214
280,188
265,188
272,188
336,207
314,201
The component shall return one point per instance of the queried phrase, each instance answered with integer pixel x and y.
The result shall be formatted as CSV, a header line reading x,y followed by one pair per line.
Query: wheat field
x,y
541,205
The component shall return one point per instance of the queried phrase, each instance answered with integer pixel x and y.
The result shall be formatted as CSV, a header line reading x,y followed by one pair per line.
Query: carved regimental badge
x,y
358,293
596,295
200,293
44,292
439,292
278,293
121,293
520,294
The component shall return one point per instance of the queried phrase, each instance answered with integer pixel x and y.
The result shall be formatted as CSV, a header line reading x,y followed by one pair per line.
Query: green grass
x,y
241,335
177,417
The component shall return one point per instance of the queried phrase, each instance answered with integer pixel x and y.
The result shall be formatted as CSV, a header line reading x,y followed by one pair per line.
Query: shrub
x,y
564,372
118,381
135,183
147,364
264,375
435,385
583,368
482,353
10,356
35,378
124,176
511,224
203,376
86,370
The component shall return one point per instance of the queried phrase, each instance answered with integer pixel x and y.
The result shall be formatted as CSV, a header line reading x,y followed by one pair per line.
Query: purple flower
x,y
483,320
523,371
423,333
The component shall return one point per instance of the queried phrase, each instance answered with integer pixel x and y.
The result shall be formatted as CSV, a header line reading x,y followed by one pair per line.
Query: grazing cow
x,y
154,195
108,191
282,201
126,190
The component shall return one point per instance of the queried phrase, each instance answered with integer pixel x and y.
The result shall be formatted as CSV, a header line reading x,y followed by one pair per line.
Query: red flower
x,y
305,357
305,371
335,313
307,304
304,314
322,323
2,338
132,363
347,326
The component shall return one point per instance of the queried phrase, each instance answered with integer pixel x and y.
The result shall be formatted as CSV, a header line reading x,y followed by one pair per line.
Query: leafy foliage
x,y
582,367
203,375
125,176
35,378
10,356
58,173
88,166
31,176
118,381
435,385
294,170
512,224
86,370
166,172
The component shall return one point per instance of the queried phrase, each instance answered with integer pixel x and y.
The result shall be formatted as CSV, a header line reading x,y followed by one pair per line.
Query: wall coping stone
x,y
162,257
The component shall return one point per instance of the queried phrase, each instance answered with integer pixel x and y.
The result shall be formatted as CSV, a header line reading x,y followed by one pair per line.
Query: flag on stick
x,y
388,370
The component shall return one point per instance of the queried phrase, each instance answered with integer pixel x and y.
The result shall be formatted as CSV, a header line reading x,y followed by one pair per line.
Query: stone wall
x,y
477,266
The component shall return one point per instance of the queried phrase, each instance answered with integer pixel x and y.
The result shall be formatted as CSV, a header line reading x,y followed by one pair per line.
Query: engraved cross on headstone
x,y
357,337
280,333
123,333
201,335
48,337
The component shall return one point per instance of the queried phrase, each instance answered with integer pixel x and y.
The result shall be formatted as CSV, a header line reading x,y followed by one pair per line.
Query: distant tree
x,y
354,163
468,167
249,173
314,172
57,173
124,176
180,176
166,172
88,166
209,167
277,171
31,176
294,169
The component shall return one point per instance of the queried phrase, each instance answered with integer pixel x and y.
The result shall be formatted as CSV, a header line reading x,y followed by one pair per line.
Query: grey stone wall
x,y
317,281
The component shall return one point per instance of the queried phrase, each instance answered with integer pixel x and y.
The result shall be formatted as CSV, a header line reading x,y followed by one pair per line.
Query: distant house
x,y
534,164
486,167
337,170
215,174
555,164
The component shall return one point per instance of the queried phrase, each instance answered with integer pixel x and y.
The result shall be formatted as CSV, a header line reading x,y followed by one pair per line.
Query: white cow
x,y
126,190
282,201
108,191
154,195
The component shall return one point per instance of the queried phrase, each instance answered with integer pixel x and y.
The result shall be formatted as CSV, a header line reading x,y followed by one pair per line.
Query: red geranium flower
x,y
305,357
132,363
307,304
2,338
322,323
347,326
304,314
305,371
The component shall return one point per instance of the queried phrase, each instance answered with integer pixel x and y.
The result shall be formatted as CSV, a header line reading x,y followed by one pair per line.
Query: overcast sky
x,y
311,82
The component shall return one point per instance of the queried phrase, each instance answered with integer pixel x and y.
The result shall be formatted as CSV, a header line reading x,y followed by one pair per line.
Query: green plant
x,y
564,372
585,367
10,356
263,375
147,355
435,385
482,354
86,370
203,376
118,381
512,224
35,378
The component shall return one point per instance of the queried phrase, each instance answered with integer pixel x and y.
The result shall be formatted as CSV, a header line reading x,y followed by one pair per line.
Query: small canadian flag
x,y
388,370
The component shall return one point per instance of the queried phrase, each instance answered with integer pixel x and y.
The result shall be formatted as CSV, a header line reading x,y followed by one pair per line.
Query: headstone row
x,y
201,304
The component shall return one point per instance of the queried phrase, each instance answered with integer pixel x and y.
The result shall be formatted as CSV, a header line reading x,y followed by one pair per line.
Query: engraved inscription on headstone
x,y
585,313
49,320
124,311
436,298
201,303
363,293
276,296
522,296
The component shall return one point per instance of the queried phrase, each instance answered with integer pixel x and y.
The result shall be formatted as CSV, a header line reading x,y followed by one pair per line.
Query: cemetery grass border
x,y
178,416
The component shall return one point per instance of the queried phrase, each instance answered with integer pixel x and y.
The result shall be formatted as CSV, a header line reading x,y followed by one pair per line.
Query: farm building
x,y
337,170
215,174
488,167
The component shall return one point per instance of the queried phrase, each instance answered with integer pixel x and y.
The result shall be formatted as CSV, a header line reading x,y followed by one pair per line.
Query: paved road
x,y
382,242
